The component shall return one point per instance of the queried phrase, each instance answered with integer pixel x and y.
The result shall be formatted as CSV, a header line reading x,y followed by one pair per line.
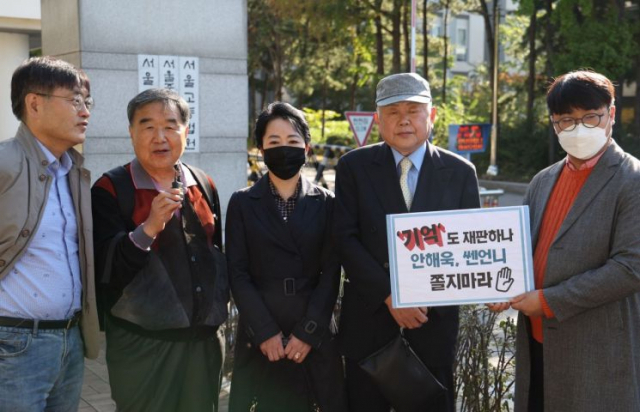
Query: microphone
x,y
177,180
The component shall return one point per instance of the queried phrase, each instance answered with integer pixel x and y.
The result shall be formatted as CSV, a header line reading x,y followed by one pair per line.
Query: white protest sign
x,y
459,257
177,73
361,124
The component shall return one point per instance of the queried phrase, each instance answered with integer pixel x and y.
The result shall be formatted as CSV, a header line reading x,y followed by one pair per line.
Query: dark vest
x,y
184,284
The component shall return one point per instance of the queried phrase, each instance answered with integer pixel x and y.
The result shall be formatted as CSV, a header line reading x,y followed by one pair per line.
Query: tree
x,y
445,34
447,9
595,34
634,73
406,31
269,49
377,8
531,8
395,17
425,40
482,8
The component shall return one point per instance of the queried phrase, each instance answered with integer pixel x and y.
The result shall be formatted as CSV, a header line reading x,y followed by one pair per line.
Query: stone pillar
x,y
105,38
15,49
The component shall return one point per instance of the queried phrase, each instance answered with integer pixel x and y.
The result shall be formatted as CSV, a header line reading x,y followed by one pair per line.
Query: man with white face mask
x,y
578,346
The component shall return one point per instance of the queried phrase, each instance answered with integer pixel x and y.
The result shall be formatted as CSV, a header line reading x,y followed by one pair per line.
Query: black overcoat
x,y
367,189
284,277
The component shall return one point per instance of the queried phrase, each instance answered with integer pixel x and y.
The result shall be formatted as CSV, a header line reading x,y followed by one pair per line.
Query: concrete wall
x,y
15,49
18,21
20,9
105,37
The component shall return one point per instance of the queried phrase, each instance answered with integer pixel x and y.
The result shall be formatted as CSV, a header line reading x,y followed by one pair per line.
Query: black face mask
x,y
284,161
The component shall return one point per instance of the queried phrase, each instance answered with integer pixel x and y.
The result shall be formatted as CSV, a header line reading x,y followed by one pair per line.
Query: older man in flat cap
x,y
404,174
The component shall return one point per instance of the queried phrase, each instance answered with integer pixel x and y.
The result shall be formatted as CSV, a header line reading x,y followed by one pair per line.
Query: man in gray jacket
x,y
48,315
578,347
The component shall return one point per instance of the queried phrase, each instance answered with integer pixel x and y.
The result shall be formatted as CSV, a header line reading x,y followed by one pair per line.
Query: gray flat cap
x,y
402,87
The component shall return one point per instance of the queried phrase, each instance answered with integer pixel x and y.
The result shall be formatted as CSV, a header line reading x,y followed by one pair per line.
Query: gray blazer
x,y
592,280
24,188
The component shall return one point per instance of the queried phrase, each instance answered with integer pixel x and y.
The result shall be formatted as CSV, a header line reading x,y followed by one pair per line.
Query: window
x,y
462,39
435,30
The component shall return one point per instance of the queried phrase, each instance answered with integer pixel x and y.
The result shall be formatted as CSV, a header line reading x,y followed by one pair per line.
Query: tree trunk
x,y
396,16
548,45
275,52
636,105
531,80
278,81
488,32
324,105
425,41
252,98
352,92
407,35
636,111
446,51
354,81
265,91
618,132
379,38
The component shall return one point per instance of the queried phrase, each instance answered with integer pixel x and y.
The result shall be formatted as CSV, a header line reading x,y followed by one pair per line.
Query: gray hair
x,y
168,97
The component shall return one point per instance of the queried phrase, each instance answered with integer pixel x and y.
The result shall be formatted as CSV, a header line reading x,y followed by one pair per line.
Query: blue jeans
x,y
40,370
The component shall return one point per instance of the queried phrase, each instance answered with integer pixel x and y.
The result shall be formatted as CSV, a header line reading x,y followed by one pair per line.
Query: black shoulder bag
x,y
401,376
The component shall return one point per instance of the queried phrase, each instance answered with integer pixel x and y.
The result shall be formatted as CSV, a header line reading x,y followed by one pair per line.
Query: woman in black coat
x,y
284,278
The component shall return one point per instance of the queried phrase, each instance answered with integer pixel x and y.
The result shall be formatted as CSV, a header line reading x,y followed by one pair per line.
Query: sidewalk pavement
x,y
96,394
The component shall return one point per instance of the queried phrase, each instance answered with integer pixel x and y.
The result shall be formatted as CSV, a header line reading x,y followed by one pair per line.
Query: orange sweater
x,y
562,197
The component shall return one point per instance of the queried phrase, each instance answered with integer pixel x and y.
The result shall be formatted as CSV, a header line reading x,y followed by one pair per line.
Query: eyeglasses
x,y
77,101
590,120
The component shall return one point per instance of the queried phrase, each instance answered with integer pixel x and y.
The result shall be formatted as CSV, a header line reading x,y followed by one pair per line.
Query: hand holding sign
x,y
409,318
504,281
528,303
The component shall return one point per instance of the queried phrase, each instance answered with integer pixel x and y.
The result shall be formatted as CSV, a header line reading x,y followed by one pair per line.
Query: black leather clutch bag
x,y
401,376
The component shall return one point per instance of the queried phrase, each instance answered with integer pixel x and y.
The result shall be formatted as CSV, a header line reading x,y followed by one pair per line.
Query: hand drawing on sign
x,y
504,281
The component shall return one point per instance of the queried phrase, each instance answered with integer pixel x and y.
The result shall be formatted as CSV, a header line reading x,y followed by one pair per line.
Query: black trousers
x,y
536,386
363,394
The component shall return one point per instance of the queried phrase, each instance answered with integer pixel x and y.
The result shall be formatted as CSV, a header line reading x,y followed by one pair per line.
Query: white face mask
x,y
583,142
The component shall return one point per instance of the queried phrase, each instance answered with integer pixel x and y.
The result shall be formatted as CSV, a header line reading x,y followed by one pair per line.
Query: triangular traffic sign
x,y
361,124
